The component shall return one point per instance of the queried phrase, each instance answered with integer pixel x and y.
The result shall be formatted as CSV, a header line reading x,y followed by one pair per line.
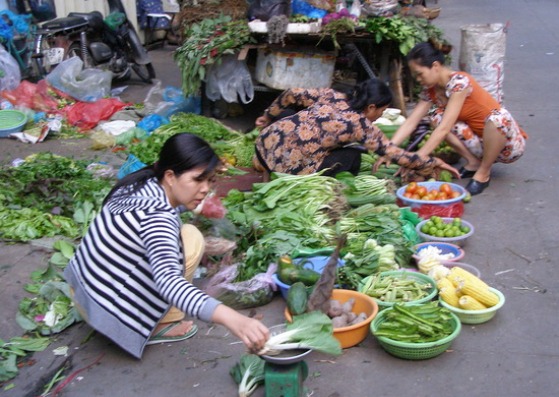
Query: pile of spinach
x,y
48,195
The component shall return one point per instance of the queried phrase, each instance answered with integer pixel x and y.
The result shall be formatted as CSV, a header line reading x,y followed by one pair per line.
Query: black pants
x,y
344,159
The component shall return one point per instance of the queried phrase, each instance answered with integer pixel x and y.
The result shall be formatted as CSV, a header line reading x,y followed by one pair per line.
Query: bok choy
x,y
248,373
312,330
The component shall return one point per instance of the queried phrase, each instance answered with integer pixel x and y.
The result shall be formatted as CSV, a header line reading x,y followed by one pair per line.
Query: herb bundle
x,y
204,45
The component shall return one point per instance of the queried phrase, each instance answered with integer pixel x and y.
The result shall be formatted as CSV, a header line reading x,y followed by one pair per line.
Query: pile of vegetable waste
x,y
48,195
235,148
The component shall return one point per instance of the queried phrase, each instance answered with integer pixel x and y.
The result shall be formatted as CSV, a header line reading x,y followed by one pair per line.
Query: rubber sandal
x,y
476,187
464,173
160,337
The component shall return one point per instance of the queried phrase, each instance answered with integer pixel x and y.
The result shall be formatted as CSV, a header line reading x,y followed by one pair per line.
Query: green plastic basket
x,y
419,277
415,351
11,121
476,316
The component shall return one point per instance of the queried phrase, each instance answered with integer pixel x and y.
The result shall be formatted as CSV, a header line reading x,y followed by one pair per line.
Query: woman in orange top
x,y
464,115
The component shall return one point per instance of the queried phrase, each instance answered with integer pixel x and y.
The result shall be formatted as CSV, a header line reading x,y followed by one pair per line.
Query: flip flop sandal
x,y
160,337
464,173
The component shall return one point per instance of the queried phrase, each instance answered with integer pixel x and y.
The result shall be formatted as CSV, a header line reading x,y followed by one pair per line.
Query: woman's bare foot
x,y
179,329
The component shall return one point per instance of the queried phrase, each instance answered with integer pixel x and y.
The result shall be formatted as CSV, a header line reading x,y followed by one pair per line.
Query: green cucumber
x,y
297,298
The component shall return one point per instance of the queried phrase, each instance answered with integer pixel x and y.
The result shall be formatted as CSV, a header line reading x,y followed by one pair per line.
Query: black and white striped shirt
x,y
129,269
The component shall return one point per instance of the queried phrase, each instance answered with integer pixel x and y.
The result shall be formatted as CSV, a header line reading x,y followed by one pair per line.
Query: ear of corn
x,y
447,291
479,291
458,275
467,302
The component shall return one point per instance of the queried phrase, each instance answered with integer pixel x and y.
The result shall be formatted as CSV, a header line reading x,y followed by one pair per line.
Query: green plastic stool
x,y
285,380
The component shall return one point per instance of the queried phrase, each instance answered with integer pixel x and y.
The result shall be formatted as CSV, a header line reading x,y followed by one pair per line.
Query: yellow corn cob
x,y
447,291
479,291
458,274
467,302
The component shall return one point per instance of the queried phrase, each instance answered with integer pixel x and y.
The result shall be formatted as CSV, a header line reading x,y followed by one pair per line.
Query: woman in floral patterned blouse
x,y
323,126
464,115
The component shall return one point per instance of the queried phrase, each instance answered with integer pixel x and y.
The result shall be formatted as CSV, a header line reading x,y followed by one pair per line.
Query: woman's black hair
x,y
180,153
424,54
370,92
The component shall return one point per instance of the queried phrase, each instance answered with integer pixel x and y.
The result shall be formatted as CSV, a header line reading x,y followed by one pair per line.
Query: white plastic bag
x,y
10,75
86,85
229,79
482,55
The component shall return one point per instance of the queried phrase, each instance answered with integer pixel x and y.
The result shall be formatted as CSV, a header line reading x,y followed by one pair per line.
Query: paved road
x,y
515,246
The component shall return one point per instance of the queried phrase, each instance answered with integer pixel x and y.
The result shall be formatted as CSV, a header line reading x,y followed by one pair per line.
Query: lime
x,y
425,229
465,229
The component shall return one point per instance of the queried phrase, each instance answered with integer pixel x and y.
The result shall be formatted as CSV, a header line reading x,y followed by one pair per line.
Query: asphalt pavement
x,y
515,246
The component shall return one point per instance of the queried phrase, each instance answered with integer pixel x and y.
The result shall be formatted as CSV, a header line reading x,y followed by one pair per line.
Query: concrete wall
x,y
63,7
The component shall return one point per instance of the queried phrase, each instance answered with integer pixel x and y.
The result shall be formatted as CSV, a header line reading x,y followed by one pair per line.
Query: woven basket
x,y
11,121
415,351
419,277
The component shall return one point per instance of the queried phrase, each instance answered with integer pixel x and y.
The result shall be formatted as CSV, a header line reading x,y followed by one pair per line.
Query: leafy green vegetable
x,y
227,143
39,197
312,330
406,32
204,45
248,373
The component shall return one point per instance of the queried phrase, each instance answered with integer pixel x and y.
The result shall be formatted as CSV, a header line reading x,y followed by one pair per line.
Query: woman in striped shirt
x,y
136,261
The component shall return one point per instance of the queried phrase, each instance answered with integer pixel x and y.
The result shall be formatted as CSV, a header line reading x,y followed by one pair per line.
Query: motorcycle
x,y
110,44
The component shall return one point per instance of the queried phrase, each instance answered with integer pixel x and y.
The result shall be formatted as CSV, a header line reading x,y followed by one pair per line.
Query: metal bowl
x,y
286,357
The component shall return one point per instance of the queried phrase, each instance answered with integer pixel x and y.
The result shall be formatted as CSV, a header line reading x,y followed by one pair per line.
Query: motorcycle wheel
x,y
145,72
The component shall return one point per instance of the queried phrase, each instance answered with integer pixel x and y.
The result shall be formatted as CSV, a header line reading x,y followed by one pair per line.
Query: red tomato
x,y
421,191
455,194
446,189
408,194
412,187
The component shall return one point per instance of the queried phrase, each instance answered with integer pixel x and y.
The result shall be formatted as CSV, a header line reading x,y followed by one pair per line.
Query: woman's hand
x,y
382,160
441,165
250,331
262,121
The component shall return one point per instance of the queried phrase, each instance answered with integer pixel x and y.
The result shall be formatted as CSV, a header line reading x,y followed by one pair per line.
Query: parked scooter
x,y
116,48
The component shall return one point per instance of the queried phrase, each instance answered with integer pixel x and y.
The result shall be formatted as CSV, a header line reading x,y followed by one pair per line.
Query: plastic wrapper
x,y
86,115
230,80
87,85
257,291
212,207
10,75
170,100
454,210
265,9
152,122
